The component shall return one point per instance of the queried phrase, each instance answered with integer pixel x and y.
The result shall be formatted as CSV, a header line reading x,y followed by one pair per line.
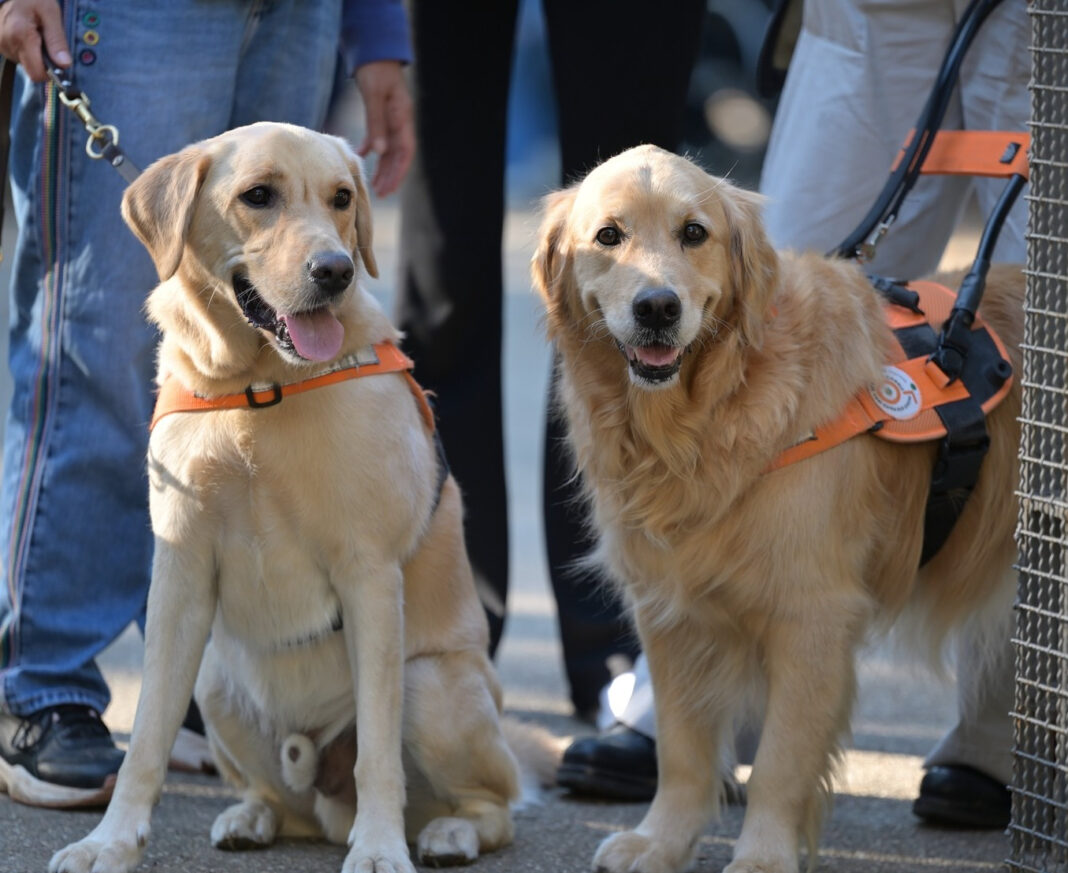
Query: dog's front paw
x,y
380,860
101,855
246,825
632,852
447,842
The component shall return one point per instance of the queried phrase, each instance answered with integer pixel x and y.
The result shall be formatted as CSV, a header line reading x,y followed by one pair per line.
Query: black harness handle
x,y
862,241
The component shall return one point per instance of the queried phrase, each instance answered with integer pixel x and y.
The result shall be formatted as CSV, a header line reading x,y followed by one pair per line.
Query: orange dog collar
x,y
373,360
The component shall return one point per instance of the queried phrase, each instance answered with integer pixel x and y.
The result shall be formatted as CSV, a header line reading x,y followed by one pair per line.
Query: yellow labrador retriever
x,y
308,551
691,355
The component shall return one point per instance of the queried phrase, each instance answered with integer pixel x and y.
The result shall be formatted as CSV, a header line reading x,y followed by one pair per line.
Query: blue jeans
x,y
74,528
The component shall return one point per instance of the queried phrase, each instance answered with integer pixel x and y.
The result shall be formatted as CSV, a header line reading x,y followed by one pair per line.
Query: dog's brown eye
x,y
693,234
342,199
258,197
608,236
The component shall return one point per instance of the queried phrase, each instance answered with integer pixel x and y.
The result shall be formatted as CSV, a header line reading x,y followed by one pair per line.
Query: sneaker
x,y
59,757
191,752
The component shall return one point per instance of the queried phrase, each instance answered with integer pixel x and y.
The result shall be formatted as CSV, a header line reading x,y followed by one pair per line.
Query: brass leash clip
x,y
103,141
866,250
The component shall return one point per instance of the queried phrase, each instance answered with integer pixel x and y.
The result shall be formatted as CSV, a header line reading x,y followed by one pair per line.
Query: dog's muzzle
x,y
313,334
653,352
654,363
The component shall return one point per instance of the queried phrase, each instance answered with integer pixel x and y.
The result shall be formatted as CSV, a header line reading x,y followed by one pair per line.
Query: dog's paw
x,y
99,856
359,862
245,825
631,852
447,842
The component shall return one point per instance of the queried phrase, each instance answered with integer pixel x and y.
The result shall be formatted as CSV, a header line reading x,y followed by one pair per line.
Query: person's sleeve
x,y
374,30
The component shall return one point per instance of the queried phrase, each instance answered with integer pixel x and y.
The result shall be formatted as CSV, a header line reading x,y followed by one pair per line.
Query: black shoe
x,y
61,756
961,796
619,764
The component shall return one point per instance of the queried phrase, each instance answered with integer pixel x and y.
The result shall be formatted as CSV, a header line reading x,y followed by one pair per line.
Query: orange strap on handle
x,y
175,397
994,153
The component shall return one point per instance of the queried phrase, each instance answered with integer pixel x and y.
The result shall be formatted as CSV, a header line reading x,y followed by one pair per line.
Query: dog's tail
x,y
538,753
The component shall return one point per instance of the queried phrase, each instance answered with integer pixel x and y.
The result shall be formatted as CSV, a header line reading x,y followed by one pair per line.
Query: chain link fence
x,y
1039,829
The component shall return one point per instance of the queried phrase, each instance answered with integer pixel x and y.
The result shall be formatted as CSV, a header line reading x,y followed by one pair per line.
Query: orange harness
x,y
383,357
369,361
903,408
953,369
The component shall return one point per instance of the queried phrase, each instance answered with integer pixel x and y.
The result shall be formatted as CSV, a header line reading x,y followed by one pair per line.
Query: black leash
x,y
861,243
7,91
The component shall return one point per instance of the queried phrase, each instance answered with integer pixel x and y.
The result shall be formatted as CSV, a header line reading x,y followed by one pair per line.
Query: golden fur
x,y
270,523
738,578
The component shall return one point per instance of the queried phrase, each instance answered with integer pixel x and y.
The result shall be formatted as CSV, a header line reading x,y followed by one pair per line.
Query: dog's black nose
x,y
331,271
657,308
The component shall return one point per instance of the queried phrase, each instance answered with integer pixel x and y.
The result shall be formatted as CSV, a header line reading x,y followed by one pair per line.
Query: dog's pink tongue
x,y
316,335
656,356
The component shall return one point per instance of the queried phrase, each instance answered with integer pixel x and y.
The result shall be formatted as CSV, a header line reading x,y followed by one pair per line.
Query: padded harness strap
x,y
917,402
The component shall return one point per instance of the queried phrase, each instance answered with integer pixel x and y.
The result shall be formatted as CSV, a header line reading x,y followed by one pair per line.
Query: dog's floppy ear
x,y
363,226
364,232
754,262
547,265
159,204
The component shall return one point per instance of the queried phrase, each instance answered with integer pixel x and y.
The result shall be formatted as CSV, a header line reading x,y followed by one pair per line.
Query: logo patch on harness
x,y
897,395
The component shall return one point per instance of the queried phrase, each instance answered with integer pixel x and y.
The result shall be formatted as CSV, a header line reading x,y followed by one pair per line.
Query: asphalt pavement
x,y
901,711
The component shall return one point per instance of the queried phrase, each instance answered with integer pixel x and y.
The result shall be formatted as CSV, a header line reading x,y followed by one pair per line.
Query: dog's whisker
x,y
705,195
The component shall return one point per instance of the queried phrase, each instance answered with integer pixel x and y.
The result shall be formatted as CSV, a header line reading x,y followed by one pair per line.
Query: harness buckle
x,y
866,250
274,400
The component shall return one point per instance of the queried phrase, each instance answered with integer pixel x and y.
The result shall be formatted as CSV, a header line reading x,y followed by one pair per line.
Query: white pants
x,y
859,77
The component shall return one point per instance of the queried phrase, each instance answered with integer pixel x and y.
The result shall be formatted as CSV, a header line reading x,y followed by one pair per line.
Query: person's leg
x,y
620,79
968,769
76,542
619,762
857,82
285,71
994,96
450,279
76,545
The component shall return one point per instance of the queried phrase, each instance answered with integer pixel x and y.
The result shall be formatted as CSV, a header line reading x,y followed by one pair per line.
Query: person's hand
x,y
390,131
27,24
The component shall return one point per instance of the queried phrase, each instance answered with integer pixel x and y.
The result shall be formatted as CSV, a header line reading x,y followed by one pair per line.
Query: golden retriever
x,y
691,355
309,553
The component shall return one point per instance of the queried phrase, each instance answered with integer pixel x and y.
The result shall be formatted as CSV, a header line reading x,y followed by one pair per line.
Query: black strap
x,y
7,91
956,470
960,453
897,292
